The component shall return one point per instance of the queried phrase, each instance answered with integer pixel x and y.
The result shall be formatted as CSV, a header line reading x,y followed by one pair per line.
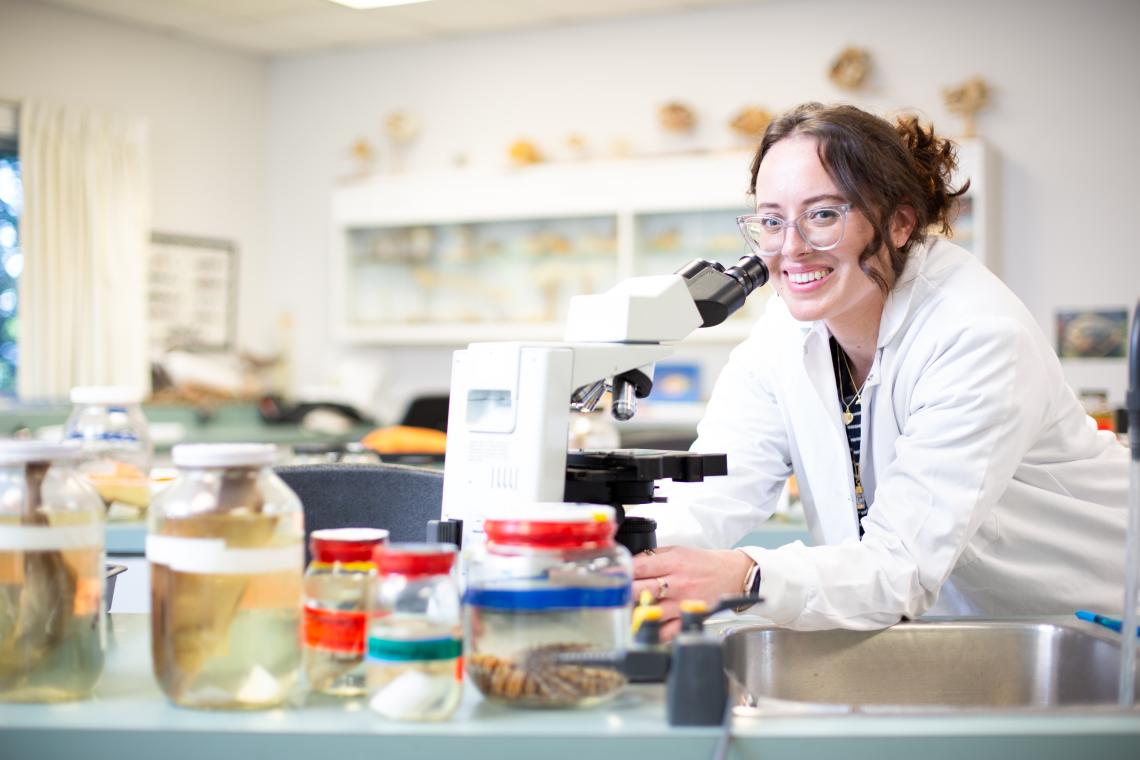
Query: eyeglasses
x,y
821,228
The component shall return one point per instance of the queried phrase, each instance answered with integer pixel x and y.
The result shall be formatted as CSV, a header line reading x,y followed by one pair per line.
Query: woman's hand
x,y
673,573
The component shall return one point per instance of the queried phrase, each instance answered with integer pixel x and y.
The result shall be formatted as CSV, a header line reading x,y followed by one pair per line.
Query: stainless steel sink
x,y
950,665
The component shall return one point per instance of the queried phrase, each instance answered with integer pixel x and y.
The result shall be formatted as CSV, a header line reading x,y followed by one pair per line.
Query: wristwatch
x,y
751,586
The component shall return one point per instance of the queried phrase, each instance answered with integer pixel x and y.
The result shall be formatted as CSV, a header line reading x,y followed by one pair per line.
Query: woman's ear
x,y
902,225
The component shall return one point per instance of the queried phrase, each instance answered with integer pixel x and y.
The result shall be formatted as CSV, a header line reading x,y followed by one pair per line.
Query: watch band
x,y
751,586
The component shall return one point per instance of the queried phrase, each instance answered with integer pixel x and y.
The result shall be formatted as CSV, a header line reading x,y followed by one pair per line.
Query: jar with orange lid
x,y
549,581
336,589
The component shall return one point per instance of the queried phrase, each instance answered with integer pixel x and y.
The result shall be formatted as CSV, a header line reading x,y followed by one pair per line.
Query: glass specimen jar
x,y
52,633
550,580
225,545
414,647
337,583
108,424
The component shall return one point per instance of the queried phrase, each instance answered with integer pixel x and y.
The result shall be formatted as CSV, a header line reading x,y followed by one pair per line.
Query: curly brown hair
x,y
879,167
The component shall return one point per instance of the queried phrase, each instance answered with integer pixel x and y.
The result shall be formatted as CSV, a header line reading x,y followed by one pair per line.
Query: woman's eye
x,y
823,216
771,224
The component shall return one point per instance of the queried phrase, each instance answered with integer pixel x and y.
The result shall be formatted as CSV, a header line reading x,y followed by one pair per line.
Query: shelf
x,y
450,258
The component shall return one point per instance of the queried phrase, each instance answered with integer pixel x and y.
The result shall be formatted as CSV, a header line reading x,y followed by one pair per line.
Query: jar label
x,y
334,630
211,555
408,650
42,538
548,598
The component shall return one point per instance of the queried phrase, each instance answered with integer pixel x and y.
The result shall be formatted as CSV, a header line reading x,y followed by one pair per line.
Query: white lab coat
x,y
991,493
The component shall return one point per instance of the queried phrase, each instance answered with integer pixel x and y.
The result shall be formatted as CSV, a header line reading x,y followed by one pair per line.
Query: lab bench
x,y
130,718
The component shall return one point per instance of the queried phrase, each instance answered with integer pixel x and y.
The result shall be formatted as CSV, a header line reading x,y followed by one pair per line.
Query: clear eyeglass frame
x,y
819,238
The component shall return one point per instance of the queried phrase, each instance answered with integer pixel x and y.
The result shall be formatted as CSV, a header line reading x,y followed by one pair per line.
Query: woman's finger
x,y
647,565
658,586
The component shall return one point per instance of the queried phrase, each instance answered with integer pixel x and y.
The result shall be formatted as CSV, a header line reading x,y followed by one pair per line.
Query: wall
x,y
1063,121
207,113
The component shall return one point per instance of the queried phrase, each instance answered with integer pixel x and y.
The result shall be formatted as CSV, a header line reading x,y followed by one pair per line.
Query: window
x,y
11,262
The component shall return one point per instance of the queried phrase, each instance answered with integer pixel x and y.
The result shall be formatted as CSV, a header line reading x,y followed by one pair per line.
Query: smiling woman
x,y
943,464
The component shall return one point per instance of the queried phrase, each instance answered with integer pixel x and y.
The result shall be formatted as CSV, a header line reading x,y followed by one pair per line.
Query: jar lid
x,y
345,544
107,394
552,526
414,559
20,451
224,454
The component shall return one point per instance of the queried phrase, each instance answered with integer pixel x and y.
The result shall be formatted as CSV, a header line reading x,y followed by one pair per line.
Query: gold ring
x,y
662,588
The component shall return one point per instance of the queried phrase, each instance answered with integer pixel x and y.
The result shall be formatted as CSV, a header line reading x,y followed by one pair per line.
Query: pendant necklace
x,y
857,400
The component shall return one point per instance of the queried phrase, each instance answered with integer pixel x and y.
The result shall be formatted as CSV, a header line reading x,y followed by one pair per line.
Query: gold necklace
x,y
857,399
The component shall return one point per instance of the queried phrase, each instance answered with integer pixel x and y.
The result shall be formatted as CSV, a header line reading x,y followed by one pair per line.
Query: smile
x,y
803,278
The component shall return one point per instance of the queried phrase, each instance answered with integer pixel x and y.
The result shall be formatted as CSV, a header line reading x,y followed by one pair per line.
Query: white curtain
x,y
84,233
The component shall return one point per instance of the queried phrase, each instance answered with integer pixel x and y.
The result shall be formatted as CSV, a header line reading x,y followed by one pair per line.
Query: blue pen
x,y
1111,624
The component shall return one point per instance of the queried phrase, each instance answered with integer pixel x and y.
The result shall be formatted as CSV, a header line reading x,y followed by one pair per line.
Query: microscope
x,y
510,402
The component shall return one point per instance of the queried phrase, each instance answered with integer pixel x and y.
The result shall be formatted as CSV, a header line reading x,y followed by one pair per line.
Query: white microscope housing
x,y
510,402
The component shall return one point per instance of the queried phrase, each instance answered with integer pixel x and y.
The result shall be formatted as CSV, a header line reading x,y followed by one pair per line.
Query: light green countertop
x,y
129,718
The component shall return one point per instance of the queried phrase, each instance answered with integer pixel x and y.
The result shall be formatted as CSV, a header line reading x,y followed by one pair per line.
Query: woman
x,y
944,465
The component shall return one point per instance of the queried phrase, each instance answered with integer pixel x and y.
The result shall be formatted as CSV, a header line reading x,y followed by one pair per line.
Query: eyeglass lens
x,y
821,228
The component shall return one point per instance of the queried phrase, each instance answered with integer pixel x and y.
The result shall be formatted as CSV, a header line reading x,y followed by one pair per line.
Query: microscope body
x,y
510,402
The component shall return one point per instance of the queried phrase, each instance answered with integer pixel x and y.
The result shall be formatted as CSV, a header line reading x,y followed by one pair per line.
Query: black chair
x,y
394,497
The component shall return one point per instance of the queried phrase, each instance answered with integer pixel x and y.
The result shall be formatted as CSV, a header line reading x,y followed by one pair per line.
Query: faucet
x,y
1132,542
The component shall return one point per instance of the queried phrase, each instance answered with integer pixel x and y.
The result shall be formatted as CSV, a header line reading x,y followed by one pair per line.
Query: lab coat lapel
x,y
827,460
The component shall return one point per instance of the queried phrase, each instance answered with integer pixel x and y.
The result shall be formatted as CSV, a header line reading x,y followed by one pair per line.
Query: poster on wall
x,y
1092,333
192,294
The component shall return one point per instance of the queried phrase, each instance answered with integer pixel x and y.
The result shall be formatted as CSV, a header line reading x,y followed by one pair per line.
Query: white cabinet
x,y
448,258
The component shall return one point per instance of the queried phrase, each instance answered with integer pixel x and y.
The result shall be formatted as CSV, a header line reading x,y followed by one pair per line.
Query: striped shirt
x,y
852,418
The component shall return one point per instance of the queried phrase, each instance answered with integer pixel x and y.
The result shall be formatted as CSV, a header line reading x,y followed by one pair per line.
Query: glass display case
x,y
503,256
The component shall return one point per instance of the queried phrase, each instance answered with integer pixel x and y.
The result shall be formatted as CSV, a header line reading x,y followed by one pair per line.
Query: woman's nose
x,y
794,243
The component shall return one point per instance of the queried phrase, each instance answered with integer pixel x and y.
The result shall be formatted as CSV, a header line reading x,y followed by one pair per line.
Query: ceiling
x,y
282,27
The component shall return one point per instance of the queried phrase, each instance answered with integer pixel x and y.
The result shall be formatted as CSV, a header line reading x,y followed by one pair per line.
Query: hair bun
x,y
935,160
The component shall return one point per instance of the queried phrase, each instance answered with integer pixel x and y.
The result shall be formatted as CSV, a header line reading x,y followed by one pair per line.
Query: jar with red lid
x,y
336,599
414,645
549,580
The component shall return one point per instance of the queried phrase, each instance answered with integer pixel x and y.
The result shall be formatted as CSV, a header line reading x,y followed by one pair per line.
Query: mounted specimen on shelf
x,y
524,152
676,117
850,68
750,123
966,100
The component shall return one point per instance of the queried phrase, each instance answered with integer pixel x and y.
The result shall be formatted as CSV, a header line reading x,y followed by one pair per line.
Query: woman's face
x,y
817,285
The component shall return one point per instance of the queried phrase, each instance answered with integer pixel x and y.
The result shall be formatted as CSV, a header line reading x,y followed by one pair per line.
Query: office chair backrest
x,y
395,497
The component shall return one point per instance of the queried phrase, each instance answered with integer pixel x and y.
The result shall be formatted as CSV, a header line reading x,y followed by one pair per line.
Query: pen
x,y
1110,623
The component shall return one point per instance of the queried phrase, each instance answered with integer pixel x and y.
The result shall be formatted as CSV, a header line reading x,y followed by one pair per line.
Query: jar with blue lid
x,y
550,580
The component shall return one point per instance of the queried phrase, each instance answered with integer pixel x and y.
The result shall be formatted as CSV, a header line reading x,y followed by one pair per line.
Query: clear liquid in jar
x,y
413,667
51,624
226,640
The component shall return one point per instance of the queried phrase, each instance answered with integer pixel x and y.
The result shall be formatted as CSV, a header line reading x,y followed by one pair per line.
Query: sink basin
x,y
927,666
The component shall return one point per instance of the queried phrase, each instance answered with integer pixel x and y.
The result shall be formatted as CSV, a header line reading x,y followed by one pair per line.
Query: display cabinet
x,y
448,258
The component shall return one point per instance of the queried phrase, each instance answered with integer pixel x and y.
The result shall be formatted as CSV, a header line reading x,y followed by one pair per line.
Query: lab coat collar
x,y
906,293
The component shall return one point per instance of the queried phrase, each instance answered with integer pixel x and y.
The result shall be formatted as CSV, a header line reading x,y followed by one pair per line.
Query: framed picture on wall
x,y
1092,333
192,293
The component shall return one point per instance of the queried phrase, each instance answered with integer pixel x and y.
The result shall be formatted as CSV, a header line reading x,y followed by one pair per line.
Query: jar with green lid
x,y
225,545
337,584
550,580
52,632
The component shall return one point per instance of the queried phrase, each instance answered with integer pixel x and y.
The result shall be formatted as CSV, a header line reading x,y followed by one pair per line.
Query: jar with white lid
x,y
52,634
225,545
549,580
108,424
337,584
